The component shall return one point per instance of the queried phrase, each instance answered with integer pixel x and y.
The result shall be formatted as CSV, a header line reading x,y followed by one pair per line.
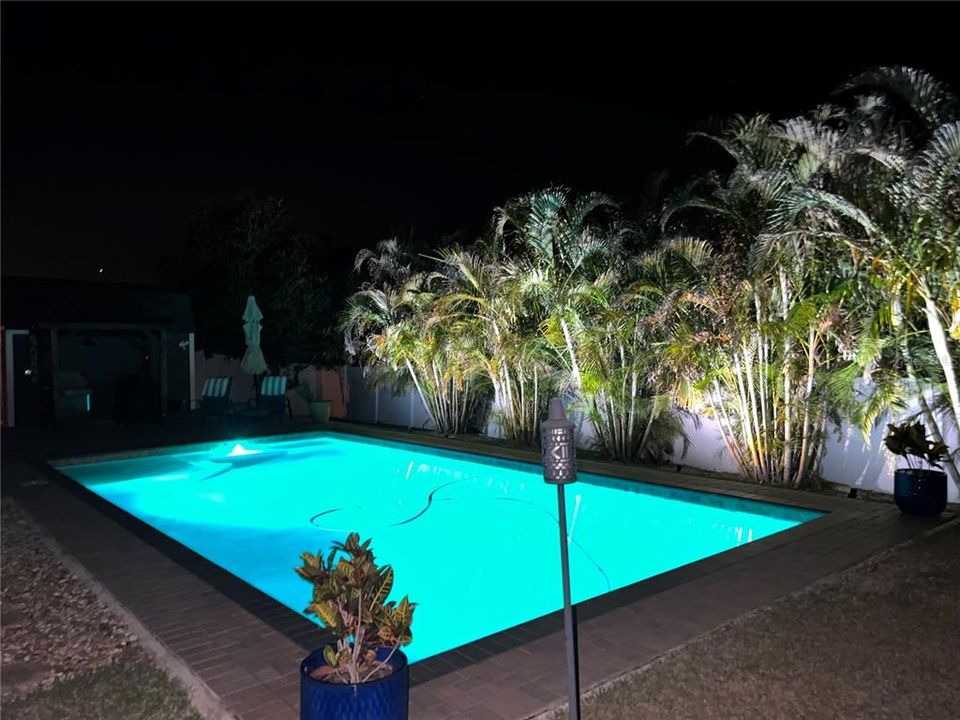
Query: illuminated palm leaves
x,y
914,257
568,261
768,336
827,273
931,100
847,224
485,301
391,324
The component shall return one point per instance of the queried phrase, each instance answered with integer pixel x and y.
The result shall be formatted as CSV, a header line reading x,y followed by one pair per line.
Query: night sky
x,y
119,121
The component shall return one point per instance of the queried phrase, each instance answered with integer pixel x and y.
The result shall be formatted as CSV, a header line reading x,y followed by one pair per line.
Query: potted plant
x,y
362,674
319,409
917,490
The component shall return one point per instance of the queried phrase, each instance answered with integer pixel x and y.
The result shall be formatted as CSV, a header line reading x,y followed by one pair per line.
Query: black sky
x,y
120,120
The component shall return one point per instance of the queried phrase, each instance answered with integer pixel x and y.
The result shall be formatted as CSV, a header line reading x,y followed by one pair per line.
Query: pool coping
x,y
449,683
643,474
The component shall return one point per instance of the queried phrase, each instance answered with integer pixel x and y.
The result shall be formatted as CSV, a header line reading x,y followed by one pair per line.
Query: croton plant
x,y
909,440
350,599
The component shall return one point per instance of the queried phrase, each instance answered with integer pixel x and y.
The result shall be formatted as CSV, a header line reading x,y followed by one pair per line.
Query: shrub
x,y
350,598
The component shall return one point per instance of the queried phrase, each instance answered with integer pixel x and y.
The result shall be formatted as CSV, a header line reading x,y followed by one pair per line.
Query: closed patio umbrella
x,y
253,361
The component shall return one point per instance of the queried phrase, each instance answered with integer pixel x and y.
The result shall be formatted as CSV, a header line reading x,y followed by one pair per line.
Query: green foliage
x,y
531,309
395,324
350,599
840,228
909,440
244,246
812,279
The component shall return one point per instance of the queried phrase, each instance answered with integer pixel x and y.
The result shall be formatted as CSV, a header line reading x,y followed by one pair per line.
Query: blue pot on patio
x,y
385,698
920,492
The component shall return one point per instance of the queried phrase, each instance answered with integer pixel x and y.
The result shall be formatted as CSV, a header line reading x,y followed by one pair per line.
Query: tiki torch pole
x,y
560,468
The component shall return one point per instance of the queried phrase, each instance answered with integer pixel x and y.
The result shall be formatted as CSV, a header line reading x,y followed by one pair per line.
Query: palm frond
x,y
932,100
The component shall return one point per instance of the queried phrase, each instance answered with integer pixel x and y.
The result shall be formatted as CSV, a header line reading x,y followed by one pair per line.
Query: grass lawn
x,y
132,688
878,641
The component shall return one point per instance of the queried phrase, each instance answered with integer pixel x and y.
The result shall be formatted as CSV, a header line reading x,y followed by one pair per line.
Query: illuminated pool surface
x,y
472,540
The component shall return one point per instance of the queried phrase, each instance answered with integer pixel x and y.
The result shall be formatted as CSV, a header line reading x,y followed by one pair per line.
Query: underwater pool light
x,y
240,456
240,451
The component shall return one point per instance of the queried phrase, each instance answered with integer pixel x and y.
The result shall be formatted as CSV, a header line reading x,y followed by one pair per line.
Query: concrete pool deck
x,y
245,647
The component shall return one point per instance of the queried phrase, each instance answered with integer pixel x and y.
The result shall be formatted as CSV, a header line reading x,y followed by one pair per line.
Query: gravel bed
x,y
52,627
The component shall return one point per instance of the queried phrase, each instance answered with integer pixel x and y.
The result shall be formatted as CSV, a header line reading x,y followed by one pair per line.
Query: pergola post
x,y
163,374
54,372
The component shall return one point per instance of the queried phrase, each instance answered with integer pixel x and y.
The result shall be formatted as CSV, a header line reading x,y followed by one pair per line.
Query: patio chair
x,y
214,398
273,395
272,402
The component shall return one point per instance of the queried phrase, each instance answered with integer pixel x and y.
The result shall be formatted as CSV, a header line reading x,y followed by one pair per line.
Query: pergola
x,y
44,312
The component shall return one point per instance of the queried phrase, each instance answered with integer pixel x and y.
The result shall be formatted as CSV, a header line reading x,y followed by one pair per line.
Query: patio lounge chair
x,y
272,402
214,398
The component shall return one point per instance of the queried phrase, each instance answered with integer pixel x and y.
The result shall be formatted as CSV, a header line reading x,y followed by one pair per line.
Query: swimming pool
x,y
472,539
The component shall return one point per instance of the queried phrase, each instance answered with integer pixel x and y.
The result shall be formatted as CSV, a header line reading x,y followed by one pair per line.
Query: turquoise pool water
x,y
472,540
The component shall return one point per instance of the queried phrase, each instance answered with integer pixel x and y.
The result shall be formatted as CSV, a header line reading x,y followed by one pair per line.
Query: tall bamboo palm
x,y
786,239
631,390
481,295
390,324
915,261
560,242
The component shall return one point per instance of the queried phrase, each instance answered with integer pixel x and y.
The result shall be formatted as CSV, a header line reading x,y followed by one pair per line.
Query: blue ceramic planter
x,y
920,492
383,699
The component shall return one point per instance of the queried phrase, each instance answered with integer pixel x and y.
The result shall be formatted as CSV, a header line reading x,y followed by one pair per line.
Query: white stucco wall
x,y
370,405
706,450
847,459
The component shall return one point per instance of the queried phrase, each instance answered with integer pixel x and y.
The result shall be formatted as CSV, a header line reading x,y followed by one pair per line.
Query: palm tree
x,y
787,265
561,243
481,296
913,118
391,324
631,387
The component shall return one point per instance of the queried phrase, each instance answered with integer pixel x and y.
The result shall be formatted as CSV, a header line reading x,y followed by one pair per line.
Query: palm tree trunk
x,y
787,386
746,429
416,384
763,366
574,365
805,436
536,395
726,430
508,409
646,430
939,337
761,439
441,409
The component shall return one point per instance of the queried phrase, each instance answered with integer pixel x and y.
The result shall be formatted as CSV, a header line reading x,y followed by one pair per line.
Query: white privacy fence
x,y
382,406
847,459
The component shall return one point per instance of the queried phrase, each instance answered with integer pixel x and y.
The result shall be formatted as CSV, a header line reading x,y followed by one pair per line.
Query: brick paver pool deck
x,y
246,647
